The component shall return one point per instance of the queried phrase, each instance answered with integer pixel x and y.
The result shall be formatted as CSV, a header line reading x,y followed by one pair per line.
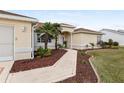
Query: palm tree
x,y
56,32
47,29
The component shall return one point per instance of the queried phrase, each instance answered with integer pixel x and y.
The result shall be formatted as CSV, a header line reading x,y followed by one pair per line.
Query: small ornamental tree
x,y
110,43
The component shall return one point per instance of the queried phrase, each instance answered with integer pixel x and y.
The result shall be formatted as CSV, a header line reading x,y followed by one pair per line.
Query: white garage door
x,y
6,43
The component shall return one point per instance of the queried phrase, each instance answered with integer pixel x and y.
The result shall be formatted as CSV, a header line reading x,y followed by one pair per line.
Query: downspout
x,y
33,29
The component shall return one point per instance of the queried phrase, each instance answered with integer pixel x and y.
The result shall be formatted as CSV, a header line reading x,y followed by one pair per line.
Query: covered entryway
x,y
67,38
6,43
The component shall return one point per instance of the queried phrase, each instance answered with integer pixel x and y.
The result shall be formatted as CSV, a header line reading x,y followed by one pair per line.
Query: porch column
x,y
71,41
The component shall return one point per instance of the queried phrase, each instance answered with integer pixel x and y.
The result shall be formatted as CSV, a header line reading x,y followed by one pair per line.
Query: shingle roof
x,y
10,13
114,31
84,30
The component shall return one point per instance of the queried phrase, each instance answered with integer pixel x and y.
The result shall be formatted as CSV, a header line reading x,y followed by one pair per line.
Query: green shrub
x,y
115,43
83,62
109,44
60,46
106,43
48,52
82,52
43,52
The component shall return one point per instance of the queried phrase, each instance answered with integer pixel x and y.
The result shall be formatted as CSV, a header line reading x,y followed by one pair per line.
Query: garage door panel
x,y
6,34
6,42
6,50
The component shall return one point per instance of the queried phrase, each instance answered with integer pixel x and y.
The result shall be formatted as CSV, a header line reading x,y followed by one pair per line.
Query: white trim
x,y
7,16
14,57
23,50
33,40
6,58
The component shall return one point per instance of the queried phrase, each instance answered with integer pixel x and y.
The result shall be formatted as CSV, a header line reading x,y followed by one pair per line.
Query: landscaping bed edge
x,y
90,61
97,75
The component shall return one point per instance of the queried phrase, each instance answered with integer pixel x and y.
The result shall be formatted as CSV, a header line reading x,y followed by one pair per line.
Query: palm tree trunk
x,y
46,40
56,42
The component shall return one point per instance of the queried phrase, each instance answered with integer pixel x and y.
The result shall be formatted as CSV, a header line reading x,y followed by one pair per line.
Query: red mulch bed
x,y
28,64
84,71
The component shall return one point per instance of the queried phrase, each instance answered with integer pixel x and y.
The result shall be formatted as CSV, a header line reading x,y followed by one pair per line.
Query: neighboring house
x,y
83,37
75,38
115,35
16,36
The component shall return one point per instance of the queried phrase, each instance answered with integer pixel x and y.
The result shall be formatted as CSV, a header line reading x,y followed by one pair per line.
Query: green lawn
x,y
109,64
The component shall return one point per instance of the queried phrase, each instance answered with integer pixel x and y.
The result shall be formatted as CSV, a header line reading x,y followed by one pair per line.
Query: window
x,y
42,38
49,40
38,38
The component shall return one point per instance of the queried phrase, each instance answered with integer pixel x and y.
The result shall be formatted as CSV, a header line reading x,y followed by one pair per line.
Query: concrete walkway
x,y
4,70
63,69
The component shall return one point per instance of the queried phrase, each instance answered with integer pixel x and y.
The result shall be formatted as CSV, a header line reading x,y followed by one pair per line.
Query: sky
x,y
90,19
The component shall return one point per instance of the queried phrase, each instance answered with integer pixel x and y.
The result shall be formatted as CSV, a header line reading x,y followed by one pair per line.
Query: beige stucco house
x,y
76,38
16,36
18,40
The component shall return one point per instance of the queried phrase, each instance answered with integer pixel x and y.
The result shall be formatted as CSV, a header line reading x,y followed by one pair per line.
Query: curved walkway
x,y
63,69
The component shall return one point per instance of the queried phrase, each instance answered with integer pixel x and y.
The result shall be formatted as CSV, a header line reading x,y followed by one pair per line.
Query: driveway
x,y
4,70
63,69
